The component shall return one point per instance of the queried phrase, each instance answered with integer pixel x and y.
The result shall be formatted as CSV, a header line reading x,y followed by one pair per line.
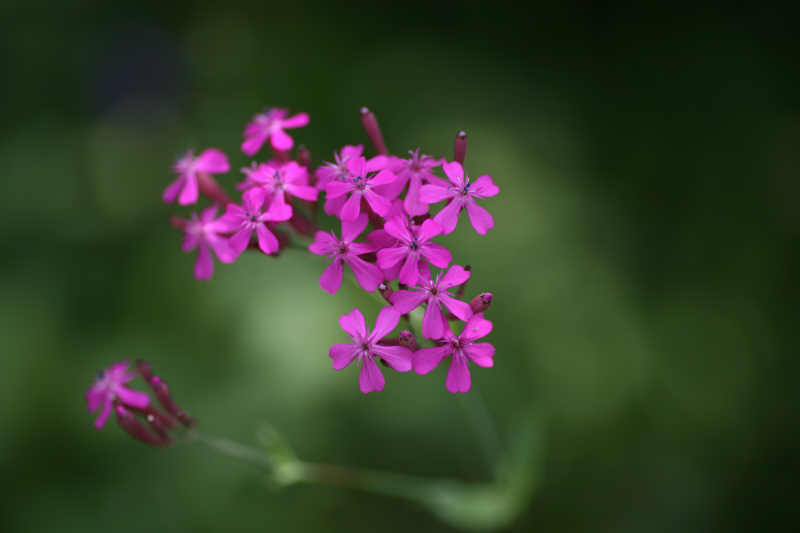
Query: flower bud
x,y
460,148
127,421
481,302
370,124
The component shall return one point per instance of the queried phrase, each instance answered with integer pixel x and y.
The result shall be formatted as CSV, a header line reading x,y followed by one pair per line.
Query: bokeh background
x,y
642,262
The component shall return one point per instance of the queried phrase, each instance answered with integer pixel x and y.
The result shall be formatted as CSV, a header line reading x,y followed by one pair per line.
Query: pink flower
x,y
434,292
461,348
337,171
345,251
203,233
246,219
211,161
413,171
110,386
360,186
463,194
270,125
413,245
281,179
365,348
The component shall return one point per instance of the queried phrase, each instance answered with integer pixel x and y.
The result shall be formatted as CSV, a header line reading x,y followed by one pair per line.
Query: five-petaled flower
x,y
461,348
278,180
210,161
434,292
414,243
345,251
360,186
413,170
365,348
463,194
203,233
109,387
246,219
270,125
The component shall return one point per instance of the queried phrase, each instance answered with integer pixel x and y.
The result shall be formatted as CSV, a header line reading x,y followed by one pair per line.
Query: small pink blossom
x,y
463,194
337,171
365,348
414,170
278,180
110,386
210,161
434,292
461,348
346,252
249,218
270,125
413,245
203,233
360,186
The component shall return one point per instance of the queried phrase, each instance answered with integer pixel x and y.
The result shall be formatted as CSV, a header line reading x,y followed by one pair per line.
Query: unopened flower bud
x,y
370,124
409,340
161,390
127,421
481,302
460,148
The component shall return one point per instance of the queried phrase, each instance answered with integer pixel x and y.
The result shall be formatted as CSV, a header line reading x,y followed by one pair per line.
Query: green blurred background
x,y
645,242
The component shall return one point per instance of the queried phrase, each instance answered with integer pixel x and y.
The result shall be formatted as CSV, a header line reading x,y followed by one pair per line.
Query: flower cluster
x,y
110,392
391,213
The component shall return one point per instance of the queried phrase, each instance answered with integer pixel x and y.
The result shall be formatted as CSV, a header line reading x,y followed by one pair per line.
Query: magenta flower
x,y
434,292
360,186
249,218
279,180
414,244
210,161
461,348
413,171
337,171
270,125
365,348
110,386
345,251
203,233
463,194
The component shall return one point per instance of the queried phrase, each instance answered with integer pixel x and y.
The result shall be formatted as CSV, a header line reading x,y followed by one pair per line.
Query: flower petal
x,y
476,327
480,353
351,208
240,240
388,257
331,278
409,274
406,301
431,194
204,266
397,227
455,172
484,186
352,229
189,193
303,191
134,398
433,321
342,355
371,378
387,320
100,421
266,240
353,323
378,203
334,189
323,243
481,220
253,144
436,254
279,210
212,161
454,277
384,177
398,357
171,192
296,121
280,140
457,307
368,275
458,378
447,218
427,359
